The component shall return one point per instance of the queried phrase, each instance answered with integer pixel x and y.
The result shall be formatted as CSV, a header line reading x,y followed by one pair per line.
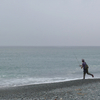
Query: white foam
x,y
30,81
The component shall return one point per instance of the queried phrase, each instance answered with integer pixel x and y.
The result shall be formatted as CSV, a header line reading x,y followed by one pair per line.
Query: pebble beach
x,y
88,89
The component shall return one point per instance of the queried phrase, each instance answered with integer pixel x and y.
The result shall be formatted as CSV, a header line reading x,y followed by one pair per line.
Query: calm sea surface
x,y
36,65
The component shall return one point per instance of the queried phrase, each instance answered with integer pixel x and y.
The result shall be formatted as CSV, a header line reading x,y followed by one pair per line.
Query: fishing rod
x,y
76,58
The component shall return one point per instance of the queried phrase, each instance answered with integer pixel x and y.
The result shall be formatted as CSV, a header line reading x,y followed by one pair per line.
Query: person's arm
x,y
81,66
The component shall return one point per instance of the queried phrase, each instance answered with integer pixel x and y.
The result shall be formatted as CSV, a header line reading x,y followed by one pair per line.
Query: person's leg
x,y
84,74
89,73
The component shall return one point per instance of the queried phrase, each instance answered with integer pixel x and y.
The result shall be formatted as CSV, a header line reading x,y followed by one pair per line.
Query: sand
x,y
88,89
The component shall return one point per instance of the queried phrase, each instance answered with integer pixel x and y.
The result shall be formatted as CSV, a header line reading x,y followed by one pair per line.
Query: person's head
x,y
82,60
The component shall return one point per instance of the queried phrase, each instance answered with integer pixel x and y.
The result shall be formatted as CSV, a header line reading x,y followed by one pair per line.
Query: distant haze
x,y
49,22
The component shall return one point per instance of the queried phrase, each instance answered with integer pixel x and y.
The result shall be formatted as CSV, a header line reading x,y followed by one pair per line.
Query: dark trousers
x,y
86,72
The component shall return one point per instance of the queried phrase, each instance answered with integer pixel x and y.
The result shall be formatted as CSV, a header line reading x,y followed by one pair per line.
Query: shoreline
x,y
39,91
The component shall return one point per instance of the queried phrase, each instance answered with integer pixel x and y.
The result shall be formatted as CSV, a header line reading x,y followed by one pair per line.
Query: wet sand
x,y
88,89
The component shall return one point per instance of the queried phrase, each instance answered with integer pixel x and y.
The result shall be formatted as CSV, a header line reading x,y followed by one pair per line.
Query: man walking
x,y
85,69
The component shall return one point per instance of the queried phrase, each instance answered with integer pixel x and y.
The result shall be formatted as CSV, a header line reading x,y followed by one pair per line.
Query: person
x,y
85,69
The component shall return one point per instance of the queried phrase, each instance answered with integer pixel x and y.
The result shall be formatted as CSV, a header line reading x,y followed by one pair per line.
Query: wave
x,y
31,81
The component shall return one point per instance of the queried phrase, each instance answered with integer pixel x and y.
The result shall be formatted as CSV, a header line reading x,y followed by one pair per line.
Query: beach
x,y
88,89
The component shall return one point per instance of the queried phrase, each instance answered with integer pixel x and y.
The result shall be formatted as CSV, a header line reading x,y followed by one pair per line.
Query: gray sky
x,y
49,22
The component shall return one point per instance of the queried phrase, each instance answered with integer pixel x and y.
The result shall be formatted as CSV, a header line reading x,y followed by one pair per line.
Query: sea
x,y
29,65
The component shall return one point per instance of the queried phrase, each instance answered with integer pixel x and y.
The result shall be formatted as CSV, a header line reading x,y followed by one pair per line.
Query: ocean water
x,y
37,65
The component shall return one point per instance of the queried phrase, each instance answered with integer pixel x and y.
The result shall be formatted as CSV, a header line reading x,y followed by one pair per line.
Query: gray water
x,y
37,65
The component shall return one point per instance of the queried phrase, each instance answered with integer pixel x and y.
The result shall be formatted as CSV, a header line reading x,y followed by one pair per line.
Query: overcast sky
x,y
49,22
